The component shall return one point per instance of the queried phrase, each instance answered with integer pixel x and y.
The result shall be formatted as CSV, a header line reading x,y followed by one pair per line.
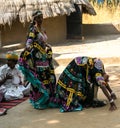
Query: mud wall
x,y
55,28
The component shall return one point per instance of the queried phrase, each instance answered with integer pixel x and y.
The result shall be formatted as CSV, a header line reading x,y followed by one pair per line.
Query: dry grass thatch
x,y
106,13
10,9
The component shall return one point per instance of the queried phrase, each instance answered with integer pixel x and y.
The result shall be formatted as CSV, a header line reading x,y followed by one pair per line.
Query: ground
x,y
107,48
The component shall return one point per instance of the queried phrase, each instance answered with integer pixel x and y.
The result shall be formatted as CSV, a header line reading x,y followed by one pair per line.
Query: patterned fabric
x,y
73,86
98,64
37,65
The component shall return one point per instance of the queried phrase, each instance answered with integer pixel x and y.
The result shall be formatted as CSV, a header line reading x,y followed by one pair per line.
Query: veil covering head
x,y
98,64
36,13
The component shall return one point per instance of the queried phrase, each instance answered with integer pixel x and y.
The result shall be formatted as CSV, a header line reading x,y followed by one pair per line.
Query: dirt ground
x,y
24,116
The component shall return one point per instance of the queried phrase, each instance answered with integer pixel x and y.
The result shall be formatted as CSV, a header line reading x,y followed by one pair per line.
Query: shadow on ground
x,y
89,39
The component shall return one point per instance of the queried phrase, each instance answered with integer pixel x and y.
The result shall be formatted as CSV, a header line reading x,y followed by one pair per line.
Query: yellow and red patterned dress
x,y
36,64
74,84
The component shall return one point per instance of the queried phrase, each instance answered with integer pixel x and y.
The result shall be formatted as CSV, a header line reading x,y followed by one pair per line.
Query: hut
x,y
62,19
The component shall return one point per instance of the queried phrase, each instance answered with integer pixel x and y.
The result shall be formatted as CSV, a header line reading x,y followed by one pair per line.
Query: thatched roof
x,y
11,9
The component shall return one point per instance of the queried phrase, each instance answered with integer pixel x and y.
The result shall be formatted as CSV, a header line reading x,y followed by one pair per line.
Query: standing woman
x,y
37,65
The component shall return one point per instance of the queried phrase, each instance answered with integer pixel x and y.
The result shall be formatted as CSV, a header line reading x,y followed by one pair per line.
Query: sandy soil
x,y
24,116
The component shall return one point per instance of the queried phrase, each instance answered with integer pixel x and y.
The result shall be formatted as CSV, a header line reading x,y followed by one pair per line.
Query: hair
x,y
34,15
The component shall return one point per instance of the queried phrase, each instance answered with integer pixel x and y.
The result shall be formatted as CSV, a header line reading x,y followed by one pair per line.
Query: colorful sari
x,y
37,66
74,84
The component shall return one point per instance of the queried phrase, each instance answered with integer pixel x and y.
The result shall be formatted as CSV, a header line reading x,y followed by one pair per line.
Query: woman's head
x,y
98,64
37,17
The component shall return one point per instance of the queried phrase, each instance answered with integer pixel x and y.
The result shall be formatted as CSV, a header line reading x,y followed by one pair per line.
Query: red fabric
x,y
12,103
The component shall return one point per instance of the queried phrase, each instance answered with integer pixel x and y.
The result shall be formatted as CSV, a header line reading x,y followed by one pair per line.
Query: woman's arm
x,y
103,85
31,36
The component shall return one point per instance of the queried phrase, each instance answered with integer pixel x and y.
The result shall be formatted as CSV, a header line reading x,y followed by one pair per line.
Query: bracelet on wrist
x,y
111,101
112,93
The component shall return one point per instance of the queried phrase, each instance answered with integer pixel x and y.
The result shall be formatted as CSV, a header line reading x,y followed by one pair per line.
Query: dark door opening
x,y
74,24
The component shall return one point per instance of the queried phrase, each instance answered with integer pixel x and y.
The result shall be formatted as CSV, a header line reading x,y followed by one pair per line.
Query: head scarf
x,y
11,55
37,13
98,64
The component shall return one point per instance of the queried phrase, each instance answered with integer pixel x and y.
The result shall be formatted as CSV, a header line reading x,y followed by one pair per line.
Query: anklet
x,y
111,101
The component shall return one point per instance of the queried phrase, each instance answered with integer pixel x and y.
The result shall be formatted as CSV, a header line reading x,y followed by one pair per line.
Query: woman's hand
x,y
48,45
101,82
113,96
106,77
112,106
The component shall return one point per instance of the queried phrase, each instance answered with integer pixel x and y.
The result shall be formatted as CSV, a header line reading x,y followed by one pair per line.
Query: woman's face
x,y
39,19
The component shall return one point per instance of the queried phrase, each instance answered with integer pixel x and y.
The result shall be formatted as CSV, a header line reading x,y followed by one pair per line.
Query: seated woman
x,y
75,86
11,79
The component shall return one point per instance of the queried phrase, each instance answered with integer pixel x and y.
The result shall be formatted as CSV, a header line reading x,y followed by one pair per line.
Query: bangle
x,y
112,93
111,101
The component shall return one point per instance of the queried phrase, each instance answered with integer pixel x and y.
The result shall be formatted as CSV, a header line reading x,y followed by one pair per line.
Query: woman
x,y
37,65
75,85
